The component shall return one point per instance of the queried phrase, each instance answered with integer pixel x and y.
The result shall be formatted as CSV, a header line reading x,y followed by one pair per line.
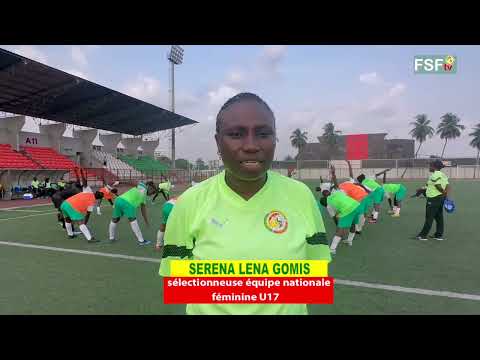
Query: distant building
x,y
214,164
160,154
359,147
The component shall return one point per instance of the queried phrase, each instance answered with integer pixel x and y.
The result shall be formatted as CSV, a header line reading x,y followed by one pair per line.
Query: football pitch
x,y
384,272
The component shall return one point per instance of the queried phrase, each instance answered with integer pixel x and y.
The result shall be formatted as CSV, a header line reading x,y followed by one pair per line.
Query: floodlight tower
x,y
175,56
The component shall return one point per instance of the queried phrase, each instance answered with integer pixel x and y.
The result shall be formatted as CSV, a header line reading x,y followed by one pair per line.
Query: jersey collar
x,y
236,198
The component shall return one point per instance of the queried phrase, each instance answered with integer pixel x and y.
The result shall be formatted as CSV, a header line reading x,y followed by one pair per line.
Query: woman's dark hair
x,y
437,164
245,96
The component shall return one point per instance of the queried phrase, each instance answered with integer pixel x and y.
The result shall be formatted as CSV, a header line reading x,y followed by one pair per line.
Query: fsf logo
x,y
435,64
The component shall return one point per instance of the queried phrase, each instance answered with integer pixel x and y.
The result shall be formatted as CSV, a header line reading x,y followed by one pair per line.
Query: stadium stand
x,y
11,159
116,166
145,163
48,158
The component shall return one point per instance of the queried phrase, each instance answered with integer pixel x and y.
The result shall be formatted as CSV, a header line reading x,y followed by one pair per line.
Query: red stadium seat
x,y
10,159
48,158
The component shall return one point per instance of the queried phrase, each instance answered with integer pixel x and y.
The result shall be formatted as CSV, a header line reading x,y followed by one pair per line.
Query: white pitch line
x,y
449,294
27,216
83,252
21,210
418,291
29,206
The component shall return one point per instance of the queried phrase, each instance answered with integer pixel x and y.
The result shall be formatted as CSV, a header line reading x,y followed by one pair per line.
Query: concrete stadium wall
x,y
149,147
86,138
131,145
54,133
10,128
34,139
68,146
110,142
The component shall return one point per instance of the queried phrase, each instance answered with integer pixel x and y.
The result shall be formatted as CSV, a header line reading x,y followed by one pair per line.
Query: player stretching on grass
x,y
344,210
109,192
127,205
164,189
357,193
77,208
166,210
72,188
376,194
395,191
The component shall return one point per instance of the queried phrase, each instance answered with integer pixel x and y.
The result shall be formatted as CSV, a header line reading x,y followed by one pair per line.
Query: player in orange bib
x,y
109,193
357,193
77,209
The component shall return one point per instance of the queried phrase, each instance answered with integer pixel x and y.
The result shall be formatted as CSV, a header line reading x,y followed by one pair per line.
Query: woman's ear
x,y
218,143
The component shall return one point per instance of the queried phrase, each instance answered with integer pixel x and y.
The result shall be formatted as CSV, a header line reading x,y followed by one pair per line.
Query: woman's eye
x,y
234,134
264,134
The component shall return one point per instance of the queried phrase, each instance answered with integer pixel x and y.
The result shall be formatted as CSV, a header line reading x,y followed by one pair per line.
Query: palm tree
x,y
449,128
421,130
299,139
476,144
330,136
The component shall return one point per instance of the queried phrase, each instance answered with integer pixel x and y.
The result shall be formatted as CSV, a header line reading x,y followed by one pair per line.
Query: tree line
x,y
449,128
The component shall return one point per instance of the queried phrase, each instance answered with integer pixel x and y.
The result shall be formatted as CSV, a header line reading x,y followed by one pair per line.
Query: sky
x,y
361,89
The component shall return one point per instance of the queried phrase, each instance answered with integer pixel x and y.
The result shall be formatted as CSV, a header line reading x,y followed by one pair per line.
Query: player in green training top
x,y
396,191
164,188
246,211
344,210
376,193
437,190
167,208
127,205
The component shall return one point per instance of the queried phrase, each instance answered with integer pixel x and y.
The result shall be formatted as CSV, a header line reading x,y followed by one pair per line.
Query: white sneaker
x,y
439,239
350,243
333,251
421,238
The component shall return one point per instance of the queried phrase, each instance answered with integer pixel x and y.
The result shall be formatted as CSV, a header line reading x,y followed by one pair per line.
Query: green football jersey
x,y
371,184
167,209
280,222
136,196
391,188
166,186
342,203
437,178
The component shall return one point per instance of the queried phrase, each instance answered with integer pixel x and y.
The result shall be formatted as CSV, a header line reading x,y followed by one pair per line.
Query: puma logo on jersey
x,y
217,223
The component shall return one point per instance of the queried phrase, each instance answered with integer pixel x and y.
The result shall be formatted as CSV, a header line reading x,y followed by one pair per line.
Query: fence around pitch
x,y
407,169
457,168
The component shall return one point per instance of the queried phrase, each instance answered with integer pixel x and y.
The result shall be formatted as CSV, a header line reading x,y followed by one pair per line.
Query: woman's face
x,y
246,140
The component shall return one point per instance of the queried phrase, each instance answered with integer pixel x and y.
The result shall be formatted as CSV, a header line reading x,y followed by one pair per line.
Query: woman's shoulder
x,y
201,191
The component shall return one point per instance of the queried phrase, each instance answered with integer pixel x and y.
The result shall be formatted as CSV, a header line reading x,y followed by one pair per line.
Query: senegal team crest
x,y
276,222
